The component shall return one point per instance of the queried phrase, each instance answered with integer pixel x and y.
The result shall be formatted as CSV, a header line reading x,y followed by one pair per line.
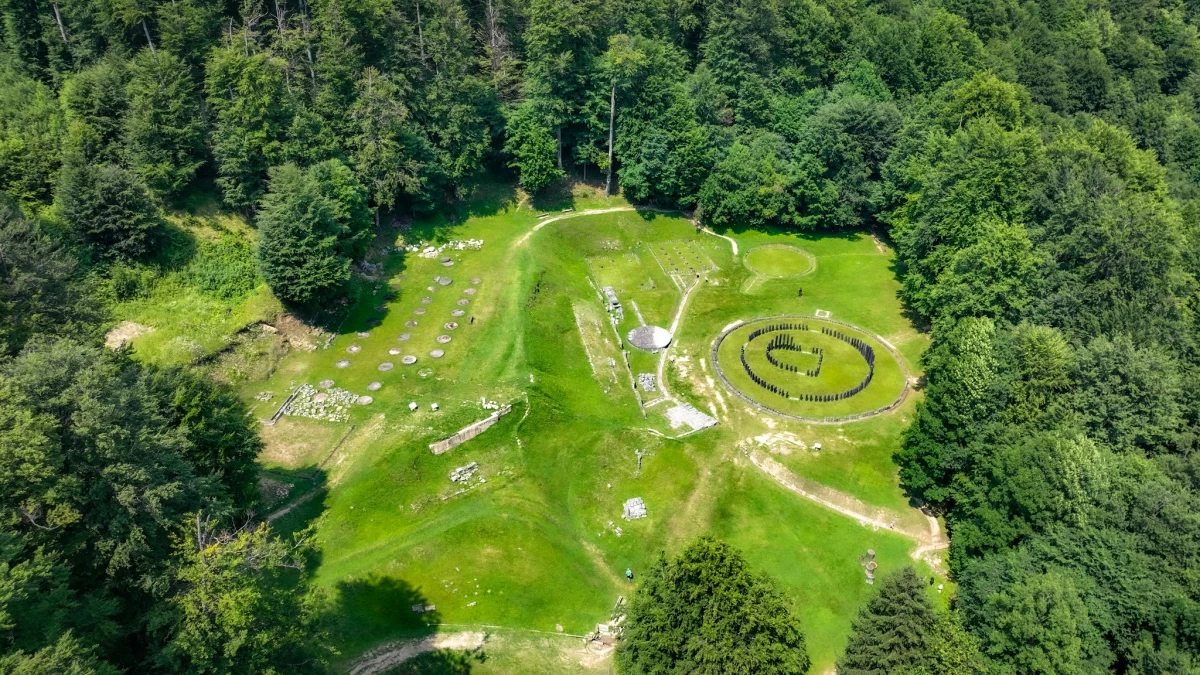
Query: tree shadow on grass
x,y
377,609
920,322
171,248
441,662
487,198
555,197
304,505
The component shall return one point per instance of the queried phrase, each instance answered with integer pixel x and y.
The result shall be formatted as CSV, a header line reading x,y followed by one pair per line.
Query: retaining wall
x,y
467,433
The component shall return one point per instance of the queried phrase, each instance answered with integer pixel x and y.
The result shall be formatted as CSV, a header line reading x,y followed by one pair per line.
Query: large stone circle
x,y
809,369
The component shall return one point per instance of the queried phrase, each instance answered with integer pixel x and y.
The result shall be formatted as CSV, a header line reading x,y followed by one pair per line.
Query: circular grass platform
x,y
788,373
780,260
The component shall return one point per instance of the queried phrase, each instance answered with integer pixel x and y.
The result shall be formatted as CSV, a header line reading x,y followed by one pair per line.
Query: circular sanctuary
x,y
808,369
650,338
780,260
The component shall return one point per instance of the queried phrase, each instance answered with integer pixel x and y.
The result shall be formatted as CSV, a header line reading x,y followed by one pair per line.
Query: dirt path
x,y
728,239
573,214
662,359
276,515
388,656
928,540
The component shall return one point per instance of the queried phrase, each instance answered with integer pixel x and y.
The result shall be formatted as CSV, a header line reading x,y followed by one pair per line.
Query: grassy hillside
x,y
535,544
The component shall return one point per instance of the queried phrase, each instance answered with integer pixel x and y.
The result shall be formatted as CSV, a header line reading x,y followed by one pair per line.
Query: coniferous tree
x,y
532,147
31,122
891,633
313,224
38,292
253,113
707,607
95,101
110,207
164,133
389,155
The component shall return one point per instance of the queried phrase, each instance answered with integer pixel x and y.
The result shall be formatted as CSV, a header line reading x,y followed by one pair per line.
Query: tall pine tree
x,y
706,611
890,634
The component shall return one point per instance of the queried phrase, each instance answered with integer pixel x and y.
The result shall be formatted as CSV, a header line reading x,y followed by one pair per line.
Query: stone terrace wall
x,y
467,433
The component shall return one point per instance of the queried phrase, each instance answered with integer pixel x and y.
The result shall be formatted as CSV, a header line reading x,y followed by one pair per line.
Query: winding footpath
x,y
929,542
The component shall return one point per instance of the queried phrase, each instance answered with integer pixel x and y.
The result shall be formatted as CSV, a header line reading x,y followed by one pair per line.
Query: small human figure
x,y
629,574
800,292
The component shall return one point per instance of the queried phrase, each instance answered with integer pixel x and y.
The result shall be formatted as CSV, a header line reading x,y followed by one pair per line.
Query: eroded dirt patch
x,y
124,333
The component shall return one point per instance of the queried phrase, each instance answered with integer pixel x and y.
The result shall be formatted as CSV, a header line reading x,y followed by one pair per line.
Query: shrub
x,y
225,269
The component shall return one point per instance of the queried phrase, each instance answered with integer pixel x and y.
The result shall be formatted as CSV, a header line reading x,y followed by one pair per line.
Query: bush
x,y
127,283
225,269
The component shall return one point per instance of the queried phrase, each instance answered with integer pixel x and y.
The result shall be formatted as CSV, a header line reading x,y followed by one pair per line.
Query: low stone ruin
x,y
869,564
426,251
634,508
467,433
685,414
646,381
333,405
650,338
464,473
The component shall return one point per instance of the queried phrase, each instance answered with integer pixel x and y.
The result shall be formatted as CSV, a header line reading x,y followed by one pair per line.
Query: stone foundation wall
x,y
467,433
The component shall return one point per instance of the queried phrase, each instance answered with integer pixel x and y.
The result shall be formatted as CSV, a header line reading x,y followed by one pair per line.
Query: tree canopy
x,y
706,610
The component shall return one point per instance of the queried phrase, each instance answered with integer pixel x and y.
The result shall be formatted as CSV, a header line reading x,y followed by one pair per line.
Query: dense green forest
x,y
1036,164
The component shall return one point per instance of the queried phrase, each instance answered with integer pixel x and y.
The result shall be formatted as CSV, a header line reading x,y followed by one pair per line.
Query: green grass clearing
x,y
537,539
780,261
